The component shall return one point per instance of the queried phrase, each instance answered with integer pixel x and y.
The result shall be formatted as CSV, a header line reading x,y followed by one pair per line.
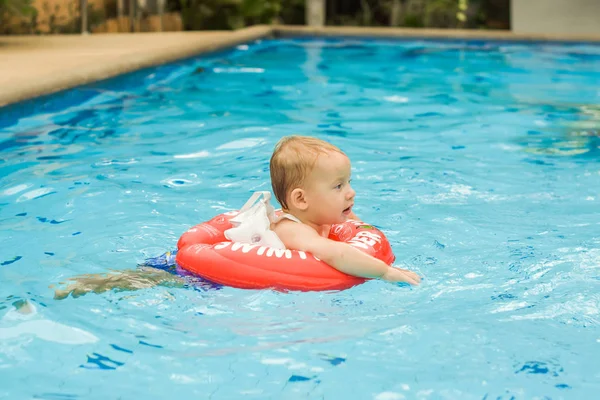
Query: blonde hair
x,y
293,159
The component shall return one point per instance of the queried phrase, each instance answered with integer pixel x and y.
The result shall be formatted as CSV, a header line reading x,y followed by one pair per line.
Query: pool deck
x,y
32,66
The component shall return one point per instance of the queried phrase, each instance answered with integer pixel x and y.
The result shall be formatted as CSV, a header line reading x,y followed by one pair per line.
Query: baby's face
x,y
327,189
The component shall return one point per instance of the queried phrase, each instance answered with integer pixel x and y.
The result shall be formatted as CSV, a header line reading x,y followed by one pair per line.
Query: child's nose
x,y
351,193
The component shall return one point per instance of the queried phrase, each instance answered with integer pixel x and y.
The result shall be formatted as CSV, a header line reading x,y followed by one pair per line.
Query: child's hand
x,y
394,274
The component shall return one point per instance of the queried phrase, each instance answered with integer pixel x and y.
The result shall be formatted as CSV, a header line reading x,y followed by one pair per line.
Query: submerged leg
x,y
128,280
155,271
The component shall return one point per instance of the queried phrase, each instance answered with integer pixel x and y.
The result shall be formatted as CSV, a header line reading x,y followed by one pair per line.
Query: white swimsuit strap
x,y
270,210
255,196
290,217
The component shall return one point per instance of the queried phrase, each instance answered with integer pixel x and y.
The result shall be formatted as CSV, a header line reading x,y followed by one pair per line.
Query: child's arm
x,y
341,256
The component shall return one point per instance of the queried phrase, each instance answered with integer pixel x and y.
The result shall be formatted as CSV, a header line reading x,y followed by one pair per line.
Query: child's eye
x,y
339,186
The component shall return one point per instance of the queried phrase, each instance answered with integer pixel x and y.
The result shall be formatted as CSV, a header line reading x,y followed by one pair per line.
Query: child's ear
x,y
298,199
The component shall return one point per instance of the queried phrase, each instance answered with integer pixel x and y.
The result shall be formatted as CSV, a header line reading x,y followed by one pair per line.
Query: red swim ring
x,y
204,251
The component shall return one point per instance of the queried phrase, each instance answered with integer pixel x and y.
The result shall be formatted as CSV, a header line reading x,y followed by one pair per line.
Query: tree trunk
x,y
132,13
84,17
367,15
395,14
315,12
161,14
120,8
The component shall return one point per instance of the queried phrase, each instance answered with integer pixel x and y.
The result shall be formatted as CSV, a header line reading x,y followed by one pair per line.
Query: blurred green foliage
x,y
13,12
421,13
235,14
18,16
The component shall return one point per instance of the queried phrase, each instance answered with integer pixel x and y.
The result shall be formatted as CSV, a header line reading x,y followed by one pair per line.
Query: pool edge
x,y
412,33
207,41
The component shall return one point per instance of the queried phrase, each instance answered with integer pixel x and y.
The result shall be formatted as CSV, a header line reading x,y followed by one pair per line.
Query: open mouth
x,y
347,210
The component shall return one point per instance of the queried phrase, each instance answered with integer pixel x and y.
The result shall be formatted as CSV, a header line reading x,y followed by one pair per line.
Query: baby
x,y
311,181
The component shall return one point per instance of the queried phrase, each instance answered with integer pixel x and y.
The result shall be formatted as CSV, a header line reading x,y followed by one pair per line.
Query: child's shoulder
x,y
289,223
284,219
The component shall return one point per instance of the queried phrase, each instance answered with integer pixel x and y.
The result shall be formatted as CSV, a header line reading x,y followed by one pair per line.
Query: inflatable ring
x,y
204,251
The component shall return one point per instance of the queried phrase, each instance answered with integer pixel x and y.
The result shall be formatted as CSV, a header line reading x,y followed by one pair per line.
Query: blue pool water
x,y
479,160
